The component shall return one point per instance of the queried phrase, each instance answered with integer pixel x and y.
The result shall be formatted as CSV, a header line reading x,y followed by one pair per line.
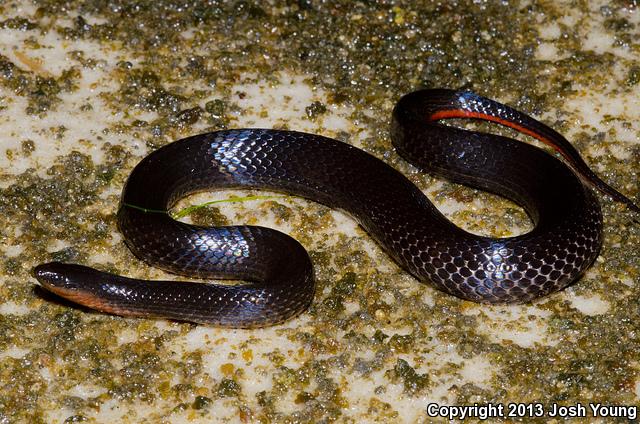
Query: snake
x,y
275,271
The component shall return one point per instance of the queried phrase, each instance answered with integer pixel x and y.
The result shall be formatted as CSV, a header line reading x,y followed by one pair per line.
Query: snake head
x,y
66,280
50,274
85,286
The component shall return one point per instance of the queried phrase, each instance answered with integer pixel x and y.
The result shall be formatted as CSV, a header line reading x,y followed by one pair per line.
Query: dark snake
x,y
278,273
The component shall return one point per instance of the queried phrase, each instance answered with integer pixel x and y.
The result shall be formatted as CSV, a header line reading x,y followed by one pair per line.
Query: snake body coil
x,y
564,242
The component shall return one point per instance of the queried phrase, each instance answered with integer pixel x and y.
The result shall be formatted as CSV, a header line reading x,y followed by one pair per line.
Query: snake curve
x,y
565,240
